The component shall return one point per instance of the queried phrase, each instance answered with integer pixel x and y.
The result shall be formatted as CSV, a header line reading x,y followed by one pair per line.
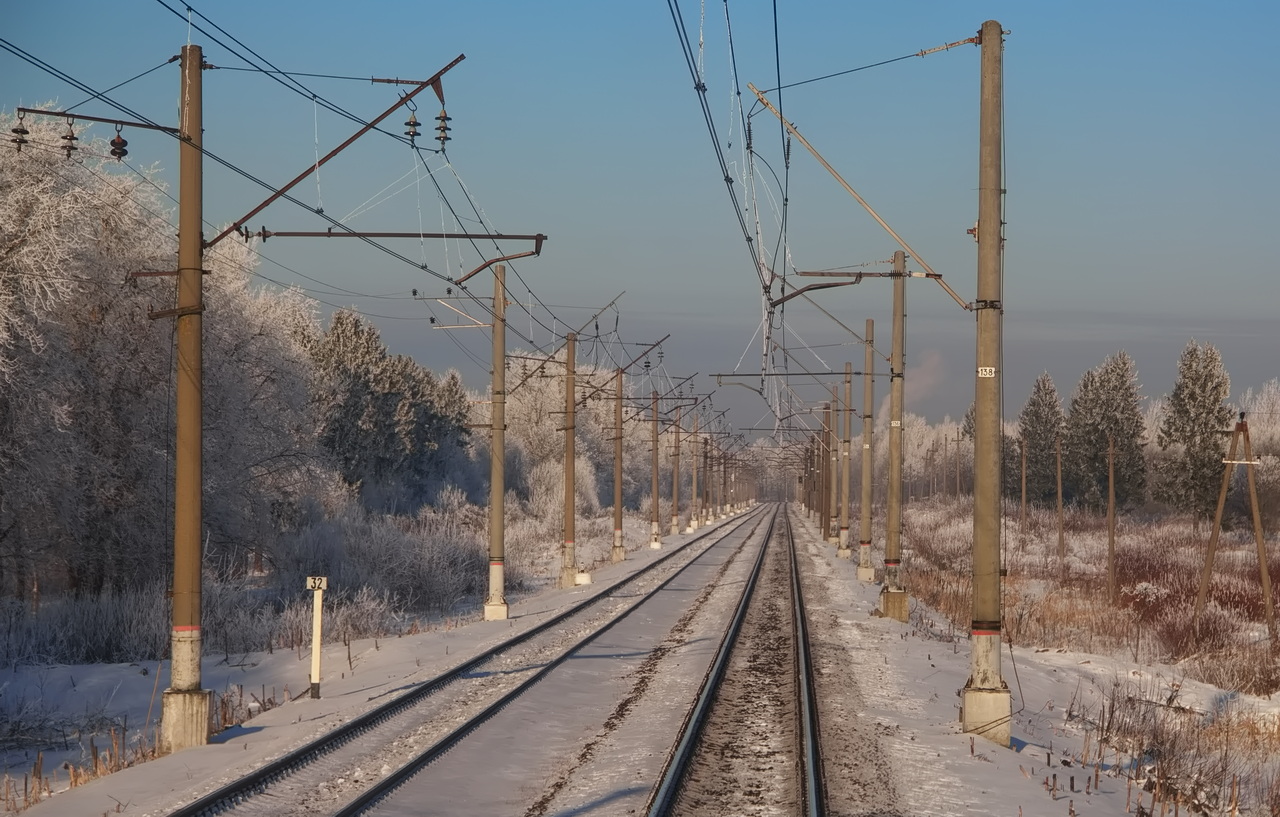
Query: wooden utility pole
x,y
843,551
568,553
1062,531
987,705
1022,520
619,552
946,489
893,598
1238,435
184,718
867,573
495,605
1111,520
655,540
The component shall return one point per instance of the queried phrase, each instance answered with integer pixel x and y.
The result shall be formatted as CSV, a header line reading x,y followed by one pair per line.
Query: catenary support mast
x,y
846,465
495,605
867,573
893,598
987,704
568,553
184,719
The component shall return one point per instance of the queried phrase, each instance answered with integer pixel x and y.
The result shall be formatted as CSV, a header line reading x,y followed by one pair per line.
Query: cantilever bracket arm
x,y
433,83
840,179
807,288
537,250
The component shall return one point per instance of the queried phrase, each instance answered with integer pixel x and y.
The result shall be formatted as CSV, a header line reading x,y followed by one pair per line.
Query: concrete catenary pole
x,y
184,717
833,468
568,552
867,573
694,499
495,605
675,477
846,465
655,540
825,463
893,598
987,705
724,484
619,552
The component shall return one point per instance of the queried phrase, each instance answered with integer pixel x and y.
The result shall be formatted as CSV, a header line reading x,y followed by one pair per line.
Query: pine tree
x,y
1105,407
1191,432
970,422
1040,425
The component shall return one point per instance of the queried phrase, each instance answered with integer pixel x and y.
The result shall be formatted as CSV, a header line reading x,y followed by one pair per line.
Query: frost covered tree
x,y
392,429
1105,407
86,378
1040,426
1195,416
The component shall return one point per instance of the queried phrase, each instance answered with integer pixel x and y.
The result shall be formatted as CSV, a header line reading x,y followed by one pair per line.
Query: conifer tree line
x,y
1168,454
307,422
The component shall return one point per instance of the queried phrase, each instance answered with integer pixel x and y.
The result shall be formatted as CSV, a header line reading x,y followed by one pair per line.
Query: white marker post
x,y
317,584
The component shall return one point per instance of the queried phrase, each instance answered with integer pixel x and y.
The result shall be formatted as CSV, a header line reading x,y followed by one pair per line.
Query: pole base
x,y
988,713
866,574
495,611
618,554
893,604
844,553
655,545
184,719
582,578
315,689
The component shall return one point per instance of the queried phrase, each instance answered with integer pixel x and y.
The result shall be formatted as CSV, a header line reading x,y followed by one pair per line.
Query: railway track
x,y
750,744
359,763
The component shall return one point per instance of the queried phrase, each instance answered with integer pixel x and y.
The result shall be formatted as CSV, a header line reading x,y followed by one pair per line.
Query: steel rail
x,y
257,781
813,791
387,786
665,793
815,794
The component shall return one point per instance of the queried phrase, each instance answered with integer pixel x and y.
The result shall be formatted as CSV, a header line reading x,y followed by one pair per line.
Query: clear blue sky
x,y
1141,167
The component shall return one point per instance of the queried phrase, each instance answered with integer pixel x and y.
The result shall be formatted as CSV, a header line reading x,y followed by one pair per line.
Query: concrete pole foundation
x,y
496,610
986,703
866,573
184,720
619,553
893,604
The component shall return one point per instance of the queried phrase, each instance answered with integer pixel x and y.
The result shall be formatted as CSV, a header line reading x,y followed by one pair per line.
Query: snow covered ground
x,y
910,675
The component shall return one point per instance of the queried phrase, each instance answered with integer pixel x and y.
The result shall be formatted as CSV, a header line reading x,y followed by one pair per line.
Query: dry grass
x,y
1218,762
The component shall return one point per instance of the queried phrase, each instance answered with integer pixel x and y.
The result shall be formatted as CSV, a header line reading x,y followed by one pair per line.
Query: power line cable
x,y
275,74
122,84
701,88
65,77
842,73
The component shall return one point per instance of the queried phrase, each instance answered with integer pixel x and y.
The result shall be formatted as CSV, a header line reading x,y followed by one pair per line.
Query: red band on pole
x,y
186,628
984,632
